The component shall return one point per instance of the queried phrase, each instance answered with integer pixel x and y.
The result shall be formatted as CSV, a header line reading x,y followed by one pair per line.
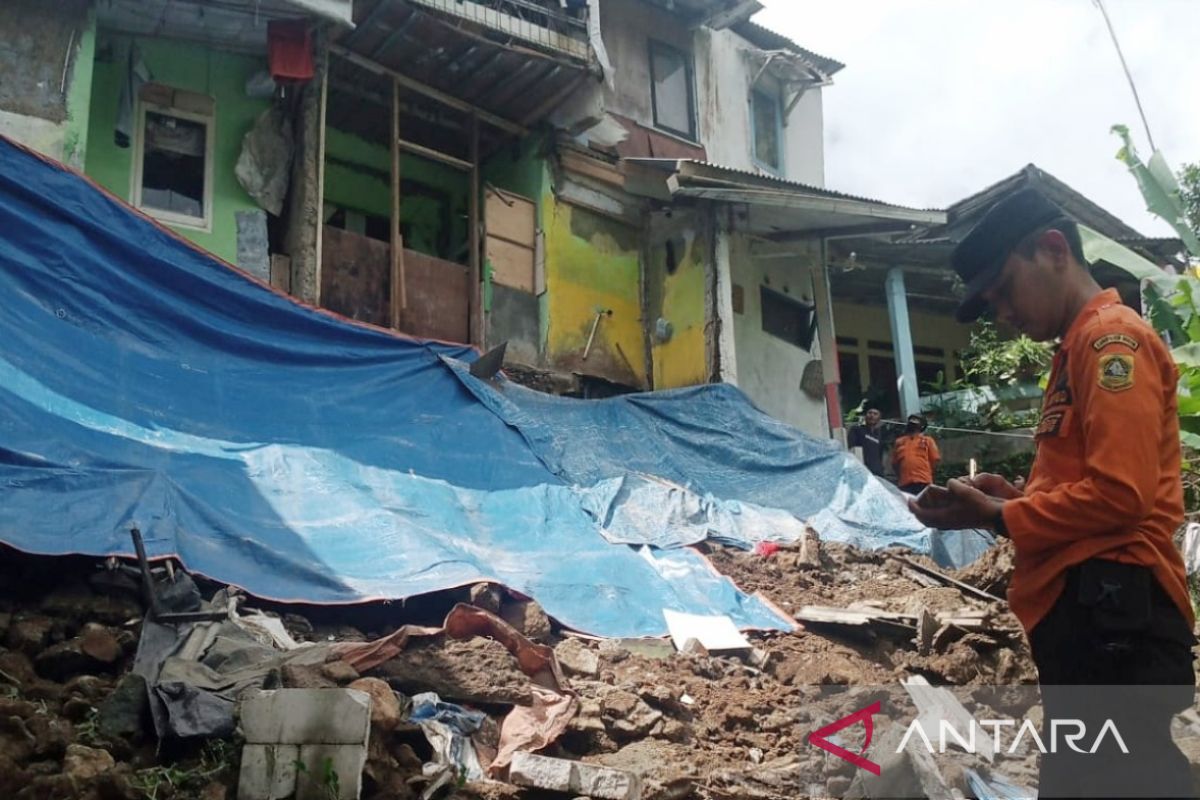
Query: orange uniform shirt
x,y
915,456
1106,479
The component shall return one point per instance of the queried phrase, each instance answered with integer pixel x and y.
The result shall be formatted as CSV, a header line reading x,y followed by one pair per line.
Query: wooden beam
x,y
434,155
475,296
554,100
321,175
434,94
399,302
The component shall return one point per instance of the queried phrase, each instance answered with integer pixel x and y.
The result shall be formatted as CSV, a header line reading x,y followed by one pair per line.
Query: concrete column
x,y
906,362
827,339
723,258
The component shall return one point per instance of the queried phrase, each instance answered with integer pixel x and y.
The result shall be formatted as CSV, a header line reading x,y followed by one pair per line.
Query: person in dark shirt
x,y
869,436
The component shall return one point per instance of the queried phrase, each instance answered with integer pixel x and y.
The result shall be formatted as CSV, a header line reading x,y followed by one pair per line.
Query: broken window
x,y
173,166
672,90
789,319
766,117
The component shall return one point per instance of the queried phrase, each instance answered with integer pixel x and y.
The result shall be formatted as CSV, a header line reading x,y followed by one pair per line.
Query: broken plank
x,y
936,704
946,579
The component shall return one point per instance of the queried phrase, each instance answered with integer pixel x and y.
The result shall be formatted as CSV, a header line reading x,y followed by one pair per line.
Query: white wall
x,y
722,79
769,369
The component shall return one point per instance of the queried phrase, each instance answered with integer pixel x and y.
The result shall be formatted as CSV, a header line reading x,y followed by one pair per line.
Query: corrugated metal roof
x,y
768,39
672,164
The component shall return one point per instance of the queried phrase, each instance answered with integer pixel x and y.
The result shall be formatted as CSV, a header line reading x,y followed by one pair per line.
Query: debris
x,y
714,633
577,659
339,672
84,763
528,618
966,588
307,742
487,596
936,705
385,708
448,728
573,777
125,713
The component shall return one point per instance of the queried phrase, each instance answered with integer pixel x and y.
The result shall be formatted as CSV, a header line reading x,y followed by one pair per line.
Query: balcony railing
x,y
543,23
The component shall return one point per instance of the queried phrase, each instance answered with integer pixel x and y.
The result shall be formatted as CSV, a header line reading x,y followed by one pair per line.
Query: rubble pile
x,y
644,720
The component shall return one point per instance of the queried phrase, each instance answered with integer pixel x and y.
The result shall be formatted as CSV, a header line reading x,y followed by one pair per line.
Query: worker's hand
x,y
994,486
962,506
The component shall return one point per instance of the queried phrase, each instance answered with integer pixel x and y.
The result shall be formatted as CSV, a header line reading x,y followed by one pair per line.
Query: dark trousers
x,y
1114,647
914,488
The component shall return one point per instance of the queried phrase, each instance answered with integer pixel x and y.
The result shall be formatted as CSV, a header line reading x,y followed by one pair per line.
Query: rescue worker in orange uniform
x,y
915,456
1098,583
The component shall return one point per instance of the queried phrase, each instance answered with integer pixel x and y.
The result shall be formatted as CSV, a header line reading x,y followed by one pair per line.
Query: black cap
x,y
980,257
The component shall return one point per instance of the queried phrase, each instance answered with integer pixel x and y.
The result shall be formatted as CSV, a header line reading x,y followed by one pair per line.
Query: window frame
x,y
689,67
209,120
777,105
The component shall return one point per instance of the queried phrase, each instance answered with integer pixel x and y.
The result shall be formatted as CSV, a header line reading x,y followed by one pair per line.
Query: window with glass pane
x,y
173,164
766,130
672,90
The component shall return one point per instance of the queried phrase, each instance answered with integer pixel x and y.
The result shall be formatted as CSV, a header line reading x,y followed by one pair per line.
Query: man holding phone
x,y
1098,583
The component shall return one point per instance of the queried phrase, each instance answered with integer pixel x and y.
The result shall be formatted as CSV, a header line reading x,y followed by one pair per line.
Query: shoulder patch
x,y
1116,338
1116,372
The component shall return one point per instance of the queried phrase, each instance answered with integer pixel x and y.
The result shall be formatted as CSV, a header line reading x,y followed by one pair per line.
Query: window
x,y
788,318
672,90
172,176
767,124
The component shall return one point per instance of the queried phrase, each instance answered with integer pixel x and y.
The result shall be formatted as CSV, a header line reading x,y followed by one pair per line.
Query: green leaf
x,y
1190,439
1187,355
1159,189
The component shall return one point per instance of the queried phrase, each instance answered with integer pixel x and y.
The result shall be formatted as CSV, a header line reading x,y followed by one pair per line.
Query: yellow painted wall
x,y
679,298
593,263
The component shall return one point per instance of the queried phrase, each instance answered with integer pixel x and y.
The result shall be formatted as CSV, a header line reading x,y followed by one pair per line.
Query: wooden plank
x,y
434,155
430,92
966,588
512,264
936,704
437,292
510,217
475,290
318,280
592,168
399,295
281,272
356,277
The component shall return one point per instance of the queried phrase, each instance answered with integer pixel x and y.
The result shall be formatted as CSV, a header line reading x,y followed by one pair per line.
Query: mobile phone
x,y
934,497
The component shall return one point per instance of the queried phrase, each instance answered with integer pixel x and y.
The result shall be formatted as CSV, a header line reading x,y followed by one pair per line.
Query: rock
x,y
5,621
528,618
126,712
213,791
17,665
486,596
577,659
12,707
114,610
299,627
472,671
50,787
30,635
66,660
70,601
385,708
52,735
627,716
558,775
339,672
89,687
84,763
302,676
12,777
46,691
99,643
77,709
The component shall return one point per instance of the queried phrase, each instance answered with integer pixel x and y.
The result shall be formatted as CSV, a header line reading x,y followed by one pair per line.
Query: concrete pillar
x,y
827,340
906,362
723,258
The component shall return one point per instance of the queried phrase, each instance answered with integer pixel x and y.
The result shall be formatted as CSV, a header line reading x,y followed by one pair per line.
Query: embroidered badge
x,y
1059,397
1116,373
1050,424
1116,338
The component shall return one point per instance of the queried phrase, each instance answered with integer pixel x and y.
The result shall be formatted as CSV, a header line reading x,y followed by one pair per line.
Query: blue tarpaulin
x,y
307,458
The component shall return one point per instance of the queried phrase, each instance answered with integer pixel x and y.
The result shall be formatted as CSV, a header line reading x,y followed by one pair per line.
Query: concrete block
x,y
331,771
307,716
574,777
268,771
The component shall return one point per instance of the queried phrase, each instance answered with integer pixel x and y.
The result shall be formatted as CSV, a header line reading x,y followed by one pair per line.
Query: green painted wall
x,y
194,68
79,96
433,203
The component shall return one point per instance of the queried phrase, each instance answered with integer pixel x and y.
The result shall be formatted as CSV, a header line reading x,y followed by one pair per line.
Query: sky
x,y
941,98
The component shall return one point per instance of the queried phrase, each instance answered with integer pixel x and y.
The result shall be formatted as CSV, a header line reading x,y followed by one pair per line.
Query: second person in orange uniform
x,y
915,456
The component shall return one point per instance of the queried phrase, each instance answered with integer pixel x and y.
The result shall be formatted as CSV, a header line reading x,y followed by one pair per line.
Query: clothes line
x,y
1004,434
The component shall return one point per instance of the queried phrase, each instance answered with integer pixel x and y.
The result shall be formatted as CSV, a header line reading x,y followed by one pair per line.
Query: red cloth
x,y
289,50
